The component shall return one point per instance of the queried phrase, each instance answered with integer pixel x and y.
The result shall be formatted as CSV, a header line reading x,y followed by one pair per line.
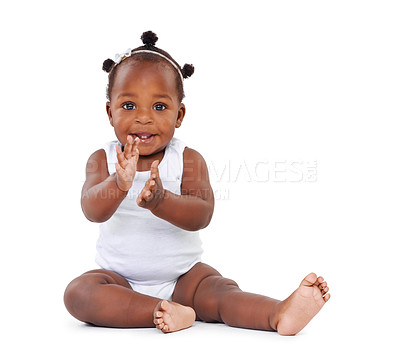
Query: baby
x,y
152,195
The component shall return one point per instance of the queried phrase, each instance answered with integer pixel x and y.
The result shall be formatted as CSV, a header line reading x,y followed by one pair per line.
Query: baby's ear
x,y
108,109
181,115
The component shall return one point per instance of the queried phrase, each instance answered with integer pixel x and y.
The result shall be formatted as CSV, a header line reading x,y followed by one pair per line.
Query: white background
x,y
276,82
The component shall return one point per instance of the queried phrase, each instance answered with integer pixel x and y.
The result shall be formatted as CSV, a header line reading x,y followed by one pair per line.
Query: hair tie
x,y
108,65
187,70
123,56
149,38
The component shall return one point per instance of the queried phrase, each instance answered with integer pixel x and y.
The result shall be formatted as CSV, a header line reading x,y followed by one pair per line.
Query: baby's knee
x,y
72,296
224,284
78,293
218,288
209,296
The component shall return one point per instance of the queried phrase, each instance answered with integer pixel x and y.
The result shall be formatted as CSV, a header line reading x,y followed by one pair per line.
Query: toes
x,y
157,311
309,280
164,305
165,328
160,312
322,286
325,290
327,297
158,321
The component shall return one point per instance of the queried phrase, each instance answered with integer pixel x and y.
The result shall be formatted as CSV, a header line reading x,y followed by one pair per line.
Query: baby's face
x,y
144,103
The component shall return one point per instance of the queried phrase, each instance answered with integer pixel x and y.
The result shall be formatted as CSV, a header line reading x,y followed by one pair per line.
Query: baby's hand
x,y
127,161
153,191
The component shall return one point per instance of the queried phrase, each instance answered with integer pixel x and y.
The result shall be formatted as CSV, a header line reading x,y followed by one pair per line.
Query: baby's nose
x,y
143,117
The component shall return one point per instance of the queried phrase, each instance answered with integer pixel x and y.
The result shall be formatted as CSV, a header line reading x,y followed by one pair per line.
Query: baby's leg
x,y
104,298
217,299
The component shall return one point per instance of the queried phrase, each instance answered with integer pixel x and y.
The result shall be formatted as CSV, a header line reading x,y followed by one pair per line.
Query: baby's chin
x,y
146,150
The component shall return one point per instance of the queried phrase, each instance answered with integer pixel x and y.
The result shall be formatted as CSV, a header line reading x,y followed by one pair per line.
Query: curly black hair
x,y
149,40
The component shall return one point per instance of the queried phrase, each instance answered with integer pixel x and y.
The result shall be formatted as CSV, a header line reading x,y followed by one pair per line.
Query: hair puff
x,y
149,38
187,70
108,65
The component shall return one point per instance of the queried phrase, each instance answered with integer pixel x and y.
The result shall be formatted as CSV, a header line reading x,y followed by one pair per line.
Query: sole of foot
x,y
170,316
298,309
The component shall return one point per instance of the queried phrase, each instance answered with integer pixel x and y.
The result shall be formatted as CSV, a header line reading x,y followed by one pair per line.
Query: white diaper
x,y
162,291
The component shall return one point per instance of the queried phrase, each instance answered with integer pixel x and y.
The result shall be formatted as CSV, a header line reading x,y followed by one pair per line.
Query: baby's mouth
x,y
144,137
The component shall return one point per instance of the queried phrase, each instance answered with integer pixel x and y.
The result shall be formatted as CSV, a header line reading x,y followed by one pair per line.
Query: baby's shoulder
x,y
195,172
99,155
190,155
97,162
193,162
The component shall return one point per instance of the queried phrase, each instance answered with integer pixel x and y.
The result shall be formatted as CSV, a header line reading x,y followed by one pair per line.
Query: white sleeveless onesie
x,y
149,252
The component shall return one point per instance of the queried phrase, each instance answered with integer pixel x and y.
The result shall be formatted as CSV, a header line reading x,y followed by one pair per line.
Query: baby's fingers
x,y
151,191
147,193
148,190
135,146
154,169
120,156
141,199
129,149
131,164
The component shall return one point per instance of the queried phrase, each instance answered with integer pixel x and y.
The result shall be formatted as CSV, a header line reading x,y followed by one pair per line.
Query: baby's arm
x,y
102,193
194,208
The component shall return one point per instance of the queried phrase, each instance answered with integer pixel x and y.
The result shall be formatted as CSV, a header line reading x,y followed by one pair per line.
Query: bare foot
x,y
170,316
298,309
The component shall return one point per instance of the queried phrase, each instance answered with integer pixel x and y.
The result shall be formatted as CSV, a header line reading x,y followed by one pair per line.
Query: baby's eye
x,y
129,106
159,107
